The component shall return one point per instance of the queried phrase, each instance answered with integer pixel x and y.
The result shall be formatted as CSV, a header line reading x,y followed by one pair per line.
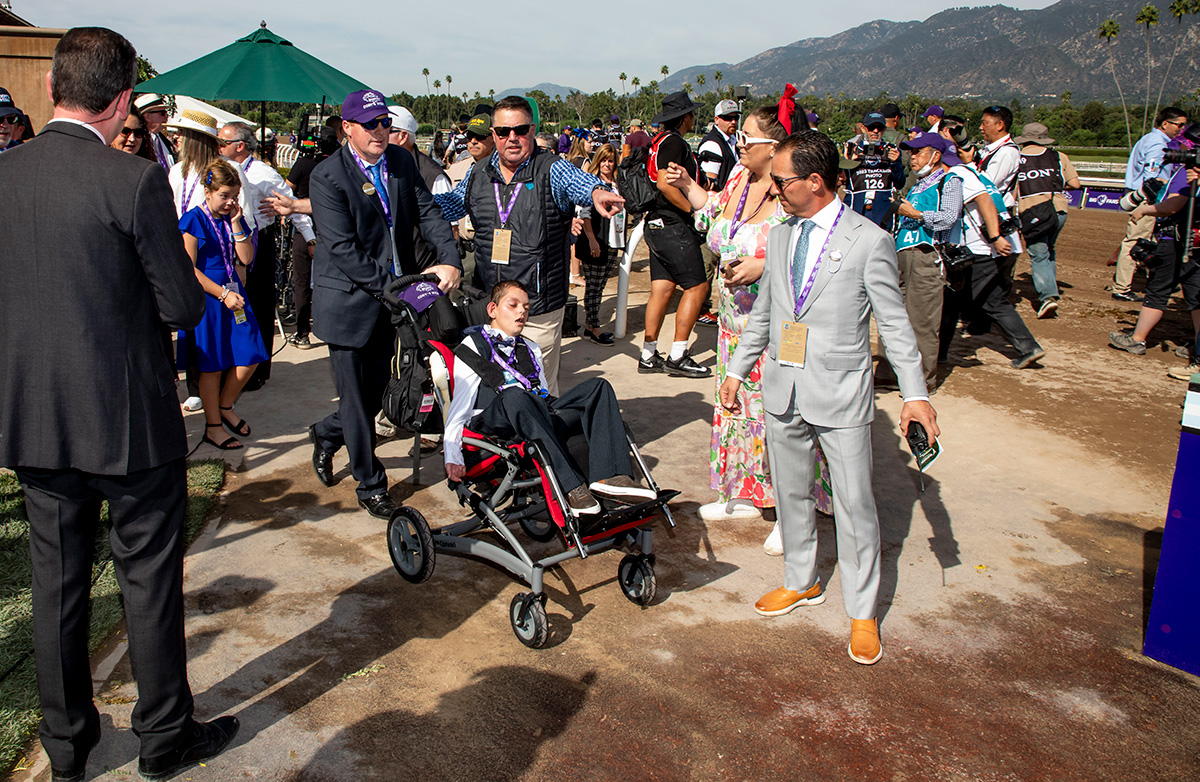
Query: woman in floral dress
x,y
737,220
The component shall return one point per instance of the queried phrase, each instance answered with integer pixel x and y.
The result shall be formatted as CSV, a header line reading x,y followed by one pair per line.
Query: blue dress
x,y
220,341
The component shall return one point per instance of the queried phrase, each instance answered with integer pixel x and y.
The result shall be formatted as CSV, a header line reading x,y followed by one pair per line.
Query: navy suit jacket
x,y
352,262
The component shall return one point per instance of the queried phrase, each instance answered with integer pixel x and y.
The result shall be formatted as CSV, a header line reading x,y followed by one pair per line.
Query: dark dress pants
x,y
260,290
983,291
302,284
146,514
361,375
589,408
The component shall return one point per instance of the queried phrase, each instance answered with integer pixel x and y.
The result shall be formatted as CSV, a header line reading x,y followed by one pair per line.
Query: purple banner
x,y
1103,199
1074,198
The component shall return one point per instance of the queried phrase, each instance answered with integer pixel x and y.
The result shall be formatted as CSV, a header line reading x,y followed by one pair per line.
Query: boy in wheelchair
x,y
500,391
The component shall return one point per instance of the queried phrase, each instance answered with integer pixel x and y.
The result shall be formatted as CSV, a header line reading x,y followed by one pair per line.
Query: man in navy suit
x,y
366,200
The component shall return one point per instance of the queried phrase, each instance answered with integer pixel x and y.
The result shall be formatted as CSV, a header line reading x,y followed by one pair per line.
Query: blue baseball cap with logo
x,y
363,106
873,118
938,142
6,104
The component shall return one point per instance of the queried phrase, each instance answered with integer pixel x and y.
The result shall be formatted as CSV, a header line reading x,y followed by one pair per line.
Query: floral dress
x,y
738,465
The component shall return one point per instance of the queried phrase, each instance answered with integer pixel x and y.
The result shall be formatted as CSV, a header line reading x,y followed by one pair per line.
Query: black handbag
x,y
1038,220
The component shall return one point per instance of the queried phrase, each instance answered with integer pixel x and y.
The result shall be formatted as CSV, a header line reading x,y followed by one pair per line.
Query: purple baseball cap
x,y
421,295
934,111
938,142
813,118
363,106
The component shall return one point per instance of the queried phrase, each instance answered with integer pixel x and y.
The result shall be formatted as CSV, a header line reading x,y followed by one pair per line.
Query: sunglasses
x,y
728,117
224,142
11,119
745,141
135,132
504,132
1177,123
375,123
782,183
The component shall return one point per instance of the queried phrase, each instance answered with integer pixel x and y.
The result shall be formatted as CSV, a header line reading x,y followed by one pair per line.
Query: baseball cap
x,y
938,142
934,111
635,123
6,104
873,118
725,108
480,125
363,106
814,118
403,119
889,110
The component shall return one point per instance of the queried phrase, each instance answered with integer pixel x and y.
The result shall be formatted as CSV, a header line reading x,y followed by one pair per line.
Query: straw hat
x,y
195,120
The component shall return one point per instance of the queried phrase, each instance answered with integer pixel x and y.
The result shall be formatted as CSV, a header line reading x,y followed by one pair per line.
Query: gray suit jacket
x,y
835,386
92,268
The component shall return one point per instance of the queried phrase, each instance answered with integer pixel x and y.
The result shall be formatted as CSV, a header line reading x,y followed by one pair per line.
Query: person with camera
x,y
1144,166
954,127
879,171
1043,177
999,159
1164,258
987,235
302,249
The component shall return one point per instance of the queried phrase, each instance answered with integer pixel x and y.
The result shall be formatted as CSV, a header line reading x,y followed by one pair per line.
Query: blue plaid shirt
x,y
568,185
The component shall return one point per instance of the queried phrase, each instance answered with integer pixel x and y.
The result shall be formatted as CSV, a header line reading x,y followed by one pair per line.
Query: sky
x,y
386,43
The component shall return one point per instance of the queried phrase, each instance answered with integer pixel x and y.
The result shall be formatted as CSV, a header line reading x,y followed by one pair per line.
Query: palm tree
x,y
1148,16
622,78
717,75
687,87
699,79
437,85
492,96
635,82
1178,9
425,73
653,87
1108,31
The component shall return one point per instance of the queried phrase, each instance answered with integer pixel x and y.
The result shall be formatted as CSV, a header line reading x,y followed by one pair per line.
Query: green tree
x,y
687,87
1108,31
1178,9
653,87
437,86
622,78
635,82
1092,116
491,96
1148,17
664,71
717,75
700,80
425,73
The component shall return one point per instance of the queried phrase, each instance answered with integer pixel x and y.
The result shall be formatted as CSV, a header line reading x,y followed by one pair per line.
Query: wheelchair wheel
x,y
540,530
635,574
411,545
534,629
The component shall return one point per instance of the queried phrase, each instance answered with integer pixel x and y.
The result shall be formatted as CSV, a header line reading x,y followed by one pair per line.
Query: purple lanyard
x,y
510,368
812,275
224,232
187,193
383,177
504,213
161,153
737,215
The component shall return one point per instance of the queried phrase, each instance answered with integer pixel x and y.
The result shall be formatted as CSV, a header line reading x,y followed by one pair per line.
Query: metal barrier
x,y
631,245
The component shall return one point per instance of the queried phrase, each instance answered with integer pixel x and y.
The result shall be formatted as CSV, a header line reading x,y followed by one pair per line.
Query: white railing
x,y
1095,166
285,156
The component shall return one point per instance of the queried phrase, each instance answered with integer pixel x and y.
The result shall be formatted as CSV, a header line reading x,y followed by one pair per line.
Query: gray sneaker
x,y
1123,340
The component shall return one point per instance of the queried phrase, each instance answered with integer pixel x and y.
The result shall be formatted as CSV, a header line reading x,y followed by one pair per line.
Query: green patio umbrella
x,y
260,67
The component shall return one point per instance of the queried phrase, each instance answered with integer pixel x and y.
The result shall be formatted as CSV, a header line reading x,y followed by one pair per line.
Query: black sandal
x,y
224,445
241,428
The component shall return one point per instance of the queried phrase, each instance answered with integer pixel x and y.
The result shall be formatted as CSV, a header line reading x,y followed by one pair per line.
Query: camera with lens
x,y
1009,225
1182,157
955,257
874,149
1147,192
308,142
1143,250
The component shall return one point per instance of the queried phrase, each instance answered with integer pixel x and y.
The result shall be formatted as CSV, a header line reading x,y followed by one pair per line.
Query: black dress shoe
x,y
203,740
322,459
77,772
686,367
380,505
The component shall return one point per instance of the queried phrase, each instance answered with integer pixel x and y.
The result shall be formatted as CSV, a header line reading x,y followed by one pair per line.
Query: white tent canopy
x,y
222,117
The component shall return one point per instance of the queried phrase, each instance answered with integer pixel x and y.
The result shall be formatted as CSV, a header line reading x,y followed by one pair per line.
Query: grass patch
x,y
19,712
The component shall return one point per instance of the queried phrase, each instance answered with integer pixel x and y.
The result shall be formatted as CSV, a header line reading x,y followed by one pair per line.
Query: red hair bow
x,y
787,107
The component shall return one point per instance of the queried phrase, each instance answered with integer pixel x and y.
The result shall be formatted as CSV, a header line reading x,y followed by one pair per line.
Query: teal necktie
x,y
799,258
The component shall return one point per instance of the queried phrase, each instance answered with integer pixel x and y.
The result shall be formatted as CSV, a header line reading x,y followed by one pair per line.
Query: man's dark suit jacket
x,y
353,259
92,266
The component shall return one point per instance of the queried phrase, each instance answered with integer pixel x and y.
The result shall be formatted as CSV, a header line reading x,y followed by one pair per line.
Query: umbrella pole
x,y
262,128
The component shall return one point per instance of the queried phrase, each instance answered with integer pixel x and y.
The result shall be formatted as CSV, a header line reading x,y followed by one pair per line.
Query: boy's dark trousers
x,y
590,407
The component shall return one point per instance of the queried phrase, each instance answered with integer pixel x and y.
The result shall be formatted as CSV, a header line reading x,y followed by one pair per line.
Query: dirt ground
x,y
1015,591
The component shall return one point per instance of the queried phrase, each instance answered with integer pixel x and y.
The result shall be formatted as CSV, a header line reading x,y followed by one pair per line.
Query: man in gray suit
x,y
93,269
827,270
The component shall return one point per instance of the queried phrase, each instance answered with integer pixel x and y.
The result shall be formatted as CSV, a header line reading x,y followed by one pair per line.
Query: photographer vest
x,y
873,176
1040,174
914,233
538,254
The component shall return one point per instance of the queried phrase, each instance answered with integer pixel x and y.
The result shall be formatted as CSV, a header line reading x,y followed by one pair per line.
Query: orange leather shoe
x,y
865,647
778,602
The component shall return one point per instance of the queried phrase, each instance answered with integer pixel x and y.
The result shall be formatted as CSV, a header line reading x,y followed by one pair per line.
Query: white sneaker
x,y
622,487
773,545
192,404
734,509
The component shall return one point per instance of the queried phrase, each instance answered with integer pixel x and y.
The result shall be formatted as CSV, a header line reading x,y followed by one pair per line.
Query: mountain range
x,y
993,52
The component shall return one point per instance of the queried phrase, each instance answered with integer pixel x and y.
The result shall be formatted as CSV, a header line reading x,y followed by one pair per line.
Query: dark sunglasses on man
x,y
11,119
371,124
135,132
520,130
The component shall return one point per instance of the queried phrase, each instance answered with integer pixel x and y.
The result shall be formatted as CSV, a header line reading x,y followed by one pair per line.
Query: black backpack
x,y
634,181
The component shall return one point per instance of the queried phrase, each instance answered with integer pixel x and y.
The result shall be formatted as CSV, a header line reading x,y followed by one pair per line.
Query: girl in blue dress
x,y
217,237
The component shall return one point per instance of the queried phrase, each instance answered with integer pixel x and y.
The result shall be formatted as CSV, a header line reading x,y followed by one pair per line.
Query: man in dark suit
x,y
93,268
366,199
828,270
